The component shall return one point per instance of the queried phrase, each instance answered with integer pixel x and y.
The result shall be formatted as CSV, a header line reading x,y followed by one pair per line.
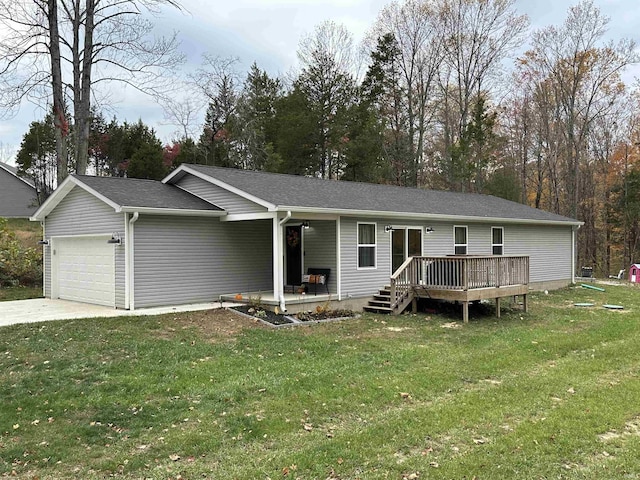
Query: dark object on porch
x,y
587,272
315,277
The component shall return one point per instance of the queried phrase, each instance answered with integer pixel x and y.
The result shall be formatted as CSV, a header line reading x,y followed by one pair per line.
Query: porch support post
x,y
498,307
278,255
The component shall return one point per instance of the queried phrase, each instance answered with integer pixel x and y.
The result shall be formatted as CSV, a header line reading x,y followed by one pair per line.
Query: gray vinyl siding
x,y
232,203
80,213
548,247
182,260
17,199
362,283
320,249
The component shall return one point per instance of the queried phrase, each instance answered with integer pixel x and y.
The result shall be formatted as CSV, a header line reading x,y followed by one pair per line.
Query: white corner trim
x,y
338,260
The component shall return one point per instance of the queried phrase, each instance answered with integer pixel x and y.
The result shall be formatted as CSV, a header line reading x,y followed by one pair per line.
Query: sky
x,y
268,32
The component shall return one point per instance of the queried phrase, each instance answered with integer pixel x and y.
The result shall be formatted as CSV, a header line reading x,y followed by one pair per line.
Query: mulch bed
x,y
278,319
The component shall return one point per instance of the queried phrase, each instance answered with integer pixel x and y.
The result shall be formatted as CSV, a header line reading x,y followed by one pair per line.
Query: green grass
x,y
19,293
548,394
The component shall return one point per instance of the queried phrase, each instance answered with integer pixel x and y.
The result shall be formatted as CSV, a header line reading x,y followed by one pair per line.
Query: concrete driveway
x,y
45,309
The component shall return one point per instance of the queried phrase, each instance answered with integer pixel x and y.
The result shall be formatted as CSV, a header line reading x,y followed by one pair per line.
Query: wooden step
x,y
379,303
376,309
382,297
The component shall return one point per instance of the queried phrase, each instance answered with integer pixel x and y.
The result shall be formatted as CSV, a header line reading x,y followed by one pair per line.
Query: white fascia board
x,y
239,217
62,191
221,184
172,211
425,216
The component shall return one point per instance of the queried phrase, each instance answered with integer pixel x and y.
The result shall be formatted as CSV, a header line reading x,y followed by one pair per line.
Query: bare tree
x,y
183,113
584,77
478,36
93,41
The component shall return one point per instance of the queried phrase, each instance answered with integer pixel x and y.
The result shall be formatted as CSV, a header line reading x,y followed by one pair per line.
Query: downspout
x,y
285,219
130,303
573,253
279,274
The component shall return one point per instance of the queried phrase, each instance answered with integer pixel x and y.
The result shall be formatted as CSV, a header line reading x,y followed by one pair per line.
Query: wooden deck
x,y
459,278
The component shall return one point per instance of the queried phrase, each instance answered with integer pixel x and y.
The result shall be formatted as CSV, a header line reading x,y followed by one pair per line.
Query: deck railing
x,y
457,273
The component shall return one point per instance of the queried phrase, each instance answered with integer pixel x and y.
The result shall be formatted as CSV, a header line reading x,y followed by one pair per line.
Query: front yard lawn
x,y
549,394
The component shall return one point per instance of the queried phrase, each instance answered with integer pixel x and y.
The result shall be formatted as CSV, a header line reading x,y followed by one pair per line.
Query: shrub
x,y
18,265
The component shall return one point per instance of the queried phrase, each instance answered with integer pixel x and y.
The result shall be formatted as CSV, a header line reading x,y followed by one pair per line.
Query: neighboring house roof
x,y
133,195
289,192
18,197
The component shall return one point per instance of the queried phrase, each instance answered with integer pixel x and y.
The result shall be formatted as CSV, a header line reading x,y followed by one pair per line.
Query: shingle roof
x,y
135,192
18,198
298,191
13,170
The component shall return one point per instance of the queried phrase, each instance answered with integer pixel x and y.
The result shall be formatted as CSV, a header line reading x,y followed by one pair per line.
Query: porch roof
x,y
299,192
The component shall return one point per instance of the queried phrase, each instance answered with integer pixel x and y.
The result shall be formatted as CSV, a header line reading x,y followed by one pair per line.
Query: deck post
x,y
465,312
498,307
414,305
524,303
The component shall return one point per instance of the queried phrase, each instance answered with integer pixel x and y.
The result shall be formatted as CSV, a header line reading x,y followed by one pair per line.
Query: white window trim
x,y
497,244
374,245
466,236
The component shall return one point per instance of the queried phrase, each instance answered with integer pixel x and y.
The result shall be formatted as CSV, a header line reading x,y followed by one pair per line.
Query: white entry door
x,y
83,270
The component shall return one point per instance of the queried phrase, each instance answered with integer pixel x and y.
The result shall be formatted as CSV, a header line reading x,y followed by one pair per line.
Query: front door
x,y
405,243
293,253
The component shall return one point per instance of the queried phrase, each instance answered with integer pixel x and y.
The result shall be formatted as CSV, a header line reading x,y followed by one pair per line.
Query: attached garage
x,y
83,269
108,241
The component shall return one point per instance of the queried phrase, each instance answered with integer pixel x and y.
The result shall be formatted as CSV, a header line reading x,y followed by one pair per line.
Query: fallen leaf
x,y
405,395
173,457
16,426
571,391
308,427
434,464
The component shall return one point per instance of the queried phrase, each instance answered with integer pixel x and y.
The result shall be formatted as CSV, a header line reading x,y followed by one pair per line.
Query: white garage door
x,y
84,268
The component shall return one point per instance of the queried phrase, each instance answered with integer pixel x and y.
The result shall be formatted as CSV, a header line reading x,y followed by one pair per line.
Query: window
x,y
460,240
366,245
497,240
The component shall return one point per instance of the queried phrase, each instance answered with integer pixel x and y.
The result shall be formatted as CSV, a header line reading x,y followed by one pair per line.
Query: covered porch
x,y
459,278
301,243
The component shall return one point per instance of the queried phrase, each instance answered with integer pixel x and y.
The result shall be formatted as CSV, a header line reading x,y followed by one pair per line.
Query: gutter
x,y
426,216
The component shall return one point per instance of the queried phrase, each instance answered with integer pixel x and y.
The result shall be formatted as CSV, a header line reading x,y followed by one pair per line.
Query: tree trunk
x,y
59,118
83,118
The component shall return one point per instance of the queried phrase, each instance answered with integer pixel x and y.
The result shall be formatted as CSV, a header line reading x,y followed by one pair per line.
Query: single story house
x,y
18,196
204,232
